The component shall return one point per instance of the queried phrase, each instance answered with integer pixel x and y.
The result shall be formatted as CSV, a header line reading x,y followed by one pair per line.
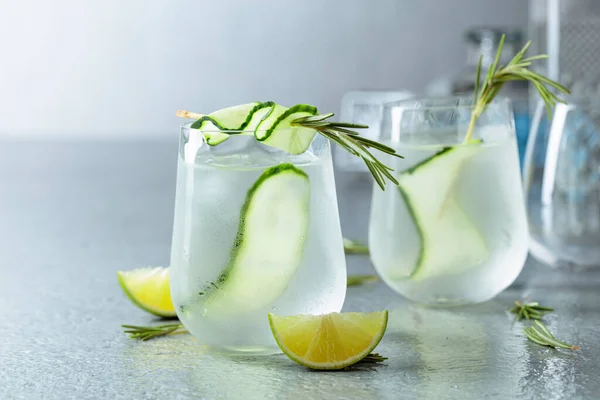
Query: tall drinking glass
x,y
256,230
454,231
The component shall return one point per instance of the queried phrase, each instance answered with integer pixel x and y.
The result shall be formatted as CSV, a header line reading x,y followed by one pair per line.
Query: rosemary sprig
x,y
150,332
538,333
354,247
531,310
515,70
372,358
355,280
345,136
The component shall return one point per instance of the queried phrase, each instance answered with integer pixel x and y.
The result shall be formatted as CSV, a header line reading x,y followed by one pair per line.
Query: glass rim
x,y
411,105
233,132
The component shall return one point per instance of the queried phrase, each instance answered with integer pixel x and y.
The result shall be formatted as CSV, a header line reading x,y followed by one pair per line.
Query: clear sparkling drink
x,y
256,230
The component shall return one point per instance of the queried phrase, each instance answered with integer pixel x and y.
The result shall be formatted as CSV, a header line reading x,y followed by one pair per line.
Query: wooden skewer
x,y
188,114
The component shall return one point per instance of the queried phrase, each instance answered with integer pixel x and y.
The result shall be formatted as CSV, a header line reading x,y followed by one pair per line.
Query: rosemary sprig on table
x,y
356,280
515,70
531,310
345,136
354,247
150,332
372,358
539,334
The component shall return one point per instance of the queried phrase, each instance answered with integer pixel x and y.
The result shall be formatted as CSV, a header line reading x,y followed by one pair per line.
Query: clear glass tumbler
x,y
562,186
256,230
454,231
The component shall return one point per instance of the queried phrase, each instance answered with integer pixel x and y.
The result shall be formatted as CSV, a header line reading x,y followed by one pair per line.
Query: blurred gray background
x,y
121,68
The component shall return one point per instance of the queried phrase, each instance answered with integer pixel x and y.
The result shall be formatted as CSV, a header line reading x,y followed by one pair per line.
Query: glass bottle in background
x,y
562,164
484,42
563,191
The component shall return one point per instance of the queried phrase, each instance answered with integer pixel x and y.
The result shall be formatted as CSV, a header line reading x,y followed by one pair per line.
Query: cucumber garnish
x,y
450,242
233,120
288,129
268,247
278,131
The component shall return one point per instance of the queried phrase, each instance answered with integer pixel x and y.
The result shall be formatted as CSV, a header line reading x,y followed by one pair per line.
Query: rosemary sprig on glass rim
x,y
538,333
344,135
531,310
515,70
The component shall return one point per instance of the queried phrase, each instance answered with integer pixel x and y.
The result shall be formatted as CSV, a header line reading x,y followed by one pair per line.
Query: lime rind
x,y
331,365
123,276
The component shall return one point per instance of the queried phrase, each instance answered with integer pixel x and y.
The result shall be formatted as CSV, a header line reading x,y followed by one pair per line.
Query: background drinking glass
x,y
562,184
364,107
454,231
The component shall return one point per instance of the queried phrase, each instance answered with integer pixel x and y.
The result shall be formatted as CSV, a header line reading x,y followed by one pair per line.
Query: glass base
x,y
447,302
249,350
565,257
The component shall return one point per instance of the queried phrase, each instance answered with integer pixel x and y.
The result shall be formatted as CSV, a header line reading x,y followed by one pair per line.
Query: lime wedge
x,y
148,288
330,341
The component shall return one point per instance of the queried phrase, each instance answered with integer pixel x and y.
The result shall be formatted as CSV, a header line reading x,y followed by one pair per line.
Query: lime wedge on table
x,y
148,288
330,341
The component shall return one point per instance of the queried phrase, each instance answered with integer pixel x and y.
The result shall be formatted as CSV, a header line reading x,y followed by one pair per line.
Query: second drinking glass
x,y
454,231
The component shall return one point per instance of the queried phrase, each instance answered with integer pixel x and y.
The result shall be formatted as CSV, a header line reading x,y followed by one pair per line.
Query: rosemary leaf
x,y
349,125
356,280
354,247
150,332
352,142
538,57
372,358
477,79
531,310
540,334
375,174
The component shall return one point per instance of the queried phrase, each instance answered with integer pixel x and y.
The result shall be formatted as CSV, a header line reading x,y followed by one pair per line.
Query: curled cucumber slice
x,y
450,241
270,123
268,247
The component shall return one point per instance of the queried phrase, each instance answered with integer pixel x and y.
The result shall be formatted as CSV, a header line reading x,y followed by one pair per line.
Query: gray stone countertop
x,y
73,213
